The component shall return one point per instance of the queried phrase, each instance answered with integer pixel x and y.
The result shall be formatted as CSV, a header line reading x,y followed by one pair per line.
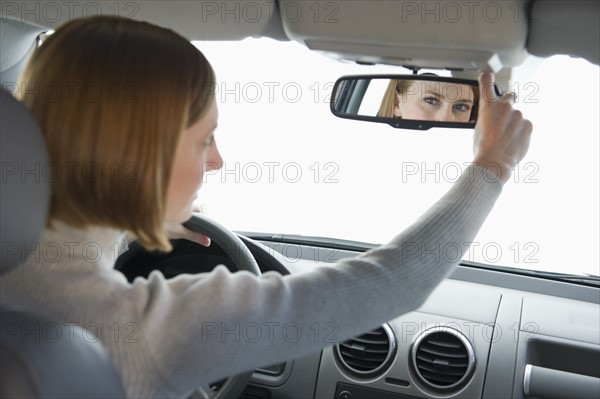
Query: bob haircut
x,y
112,97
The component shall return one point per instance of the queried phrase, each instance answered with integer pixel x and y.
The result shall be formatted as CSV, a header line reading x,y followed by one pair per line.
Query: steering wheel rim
x,y
227,240
242,258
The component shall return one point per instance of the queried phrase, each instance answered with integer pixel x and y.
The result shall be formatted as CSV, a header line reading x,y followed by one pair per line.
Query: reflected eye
x,y
431,100
462,107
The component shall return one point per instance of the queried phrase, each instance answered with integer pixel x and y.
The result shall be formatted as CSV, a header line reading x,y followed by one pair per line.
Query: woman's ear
x,y
396,111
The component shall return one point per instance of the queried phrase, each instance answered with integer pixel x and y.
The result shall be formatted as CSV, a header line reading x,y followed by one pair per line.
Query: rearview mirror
x,y
417,102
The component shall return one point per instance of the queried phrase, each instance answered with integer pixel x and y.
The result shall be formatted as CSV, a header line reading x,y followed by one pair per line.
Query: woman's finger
x,y
509,97
486,87
176,231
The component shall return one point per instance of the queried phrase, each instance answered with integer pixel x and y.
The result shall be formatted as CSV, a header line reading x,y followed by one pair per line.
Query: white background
x,y
366,182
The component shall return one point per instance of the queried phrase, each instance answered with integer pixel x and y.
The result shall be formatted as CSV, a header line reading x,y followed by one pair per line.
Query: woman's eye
x,y
462,107
431,100
209,141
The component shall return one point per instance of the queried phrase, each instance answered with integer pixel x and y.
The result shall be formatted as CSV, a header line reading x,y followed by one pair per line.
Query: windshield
x,y
291,167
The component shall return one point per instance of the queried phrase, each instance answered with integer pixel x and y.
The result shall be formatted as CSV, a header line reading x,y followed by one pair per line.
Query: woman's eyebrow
x,y
211,130
435,93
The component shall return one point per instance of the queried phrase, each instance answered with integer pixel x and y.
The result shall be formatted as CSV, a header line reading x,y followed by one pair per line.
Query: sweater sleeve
x,y
202,328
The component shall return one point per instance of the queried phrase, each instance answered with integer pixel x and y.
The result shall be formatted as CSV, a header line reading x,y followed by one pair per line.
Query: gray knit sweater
x,y
166,337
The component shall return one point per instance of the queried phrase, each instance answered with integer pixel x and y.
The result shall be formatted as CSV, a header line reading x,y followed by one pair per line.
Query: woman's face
x,y
435,101
196,152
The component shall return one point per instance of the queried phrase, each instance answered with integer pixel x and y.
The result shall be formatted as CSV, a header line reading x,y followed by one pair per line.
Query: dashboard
x,y
481,334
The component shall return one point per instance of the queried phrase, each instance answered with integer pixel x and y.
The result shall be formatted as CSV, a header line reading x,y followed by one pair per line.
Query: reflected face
x,y
196,153
435,101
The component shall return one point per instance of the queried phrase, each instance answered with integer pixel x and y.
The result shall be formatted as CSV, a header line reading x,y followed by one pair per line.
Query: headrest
x,y
44,358
25,189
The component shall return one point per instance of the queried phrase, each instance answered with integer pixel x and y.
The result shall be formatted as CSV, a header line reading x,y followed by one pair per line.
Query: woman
x,y
430,101
141,109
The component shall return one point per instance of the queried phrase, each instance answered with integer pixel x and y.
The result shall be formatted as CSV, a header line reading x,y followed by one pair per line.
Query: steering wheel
x,y
129,264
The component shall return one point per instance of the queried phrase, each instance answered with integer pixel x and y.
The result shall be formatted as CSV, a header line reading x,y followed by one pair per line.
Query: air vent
x,y
369,354
443,359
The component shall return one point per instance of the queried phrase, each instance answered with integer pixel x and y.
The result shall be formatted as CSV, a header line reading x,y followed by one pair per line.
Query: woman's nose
x,y
445,114
214,161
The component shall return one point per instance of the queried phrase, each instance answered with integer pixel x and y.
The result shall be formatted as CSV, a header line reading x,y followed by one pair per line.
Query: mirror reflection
x,y
429,101
407,101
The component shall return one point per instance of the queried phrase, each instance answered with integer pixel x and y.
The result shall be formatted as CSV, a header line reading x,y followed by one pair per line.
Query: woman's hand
x,y
502,135
176,231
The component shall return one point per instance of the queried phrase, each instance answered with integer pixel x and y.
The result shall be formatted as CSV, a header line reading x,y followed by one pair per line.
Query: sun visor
x,y
195,20
469,35
565,27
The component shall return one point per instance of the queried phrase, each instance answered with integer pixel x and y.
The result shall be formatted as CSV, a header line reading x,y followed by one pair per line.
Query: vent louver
x,y
443,358
369,354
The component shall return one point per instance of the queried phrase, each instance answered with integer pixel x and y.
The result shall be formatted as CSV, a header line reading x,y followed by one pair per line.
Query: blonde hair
x,y
112,97
390,100
390,97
